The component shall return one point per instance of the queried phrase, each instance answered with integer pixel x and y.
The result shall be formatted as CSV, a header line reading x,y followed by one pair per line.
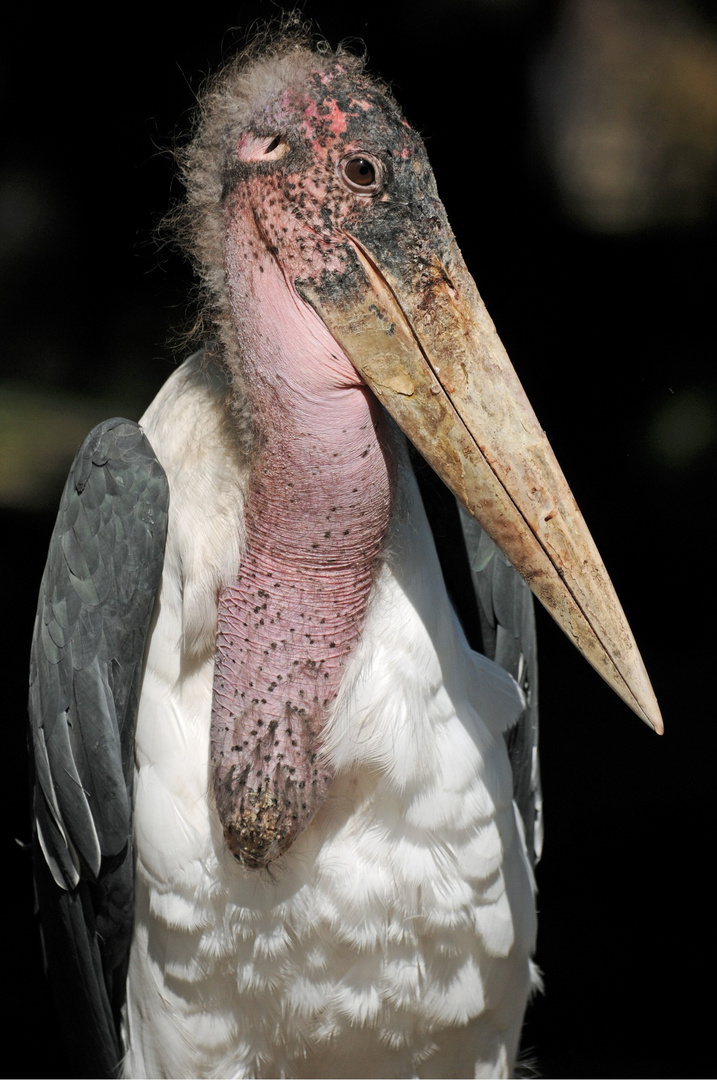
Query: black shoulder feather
x,y
96,599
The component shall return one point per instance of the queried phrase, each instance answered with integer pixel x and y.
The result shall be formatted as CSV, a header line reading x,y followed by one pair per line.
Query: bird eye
x,y
275,149
260,148
360,171
361,174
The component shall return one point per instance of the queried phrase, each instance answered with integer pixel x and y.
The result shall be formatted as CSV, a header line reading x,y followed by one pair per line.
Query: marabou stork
x,y
276,825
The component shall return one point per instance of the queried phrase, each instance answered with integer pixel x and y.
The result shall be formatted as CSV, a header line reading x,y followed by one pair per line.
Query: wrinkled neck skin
x,y
316,514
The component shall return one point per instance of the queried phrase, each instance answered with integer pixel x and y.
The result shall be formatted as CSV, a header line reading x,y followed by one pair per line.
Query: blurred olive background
x,y
575,148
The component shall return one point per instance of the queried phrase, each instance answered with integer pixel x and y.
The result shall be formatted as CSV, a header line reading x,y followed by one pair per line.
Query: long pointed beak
x,y
432,356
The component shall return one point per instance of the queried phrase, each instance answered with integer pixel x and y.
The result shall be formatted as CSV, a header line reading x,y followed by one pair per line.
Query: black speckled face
x,y
335,157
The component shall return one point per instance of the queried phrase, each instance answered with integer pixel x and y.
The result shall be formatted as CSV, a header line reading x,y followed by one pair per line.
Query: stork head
x,y
310,193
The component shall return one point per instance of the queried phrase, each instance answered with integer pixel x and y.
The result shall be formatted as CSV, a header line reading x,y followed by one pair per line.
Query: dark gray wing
x,y
94,612
507,618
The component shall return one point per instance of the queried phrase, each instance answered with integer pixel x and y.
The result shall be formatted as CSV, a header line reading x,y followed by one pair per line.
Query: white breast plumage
x,y
404,910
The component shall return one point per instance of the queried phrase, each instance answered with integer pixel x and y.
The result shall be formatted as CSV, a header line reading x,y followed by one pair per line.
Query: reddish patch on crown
x,y
329,116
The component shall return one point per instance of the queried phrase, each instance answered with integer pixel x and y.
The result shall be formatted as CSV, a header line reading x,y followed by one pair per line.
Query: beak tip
x,y
658,726
645,695
652,716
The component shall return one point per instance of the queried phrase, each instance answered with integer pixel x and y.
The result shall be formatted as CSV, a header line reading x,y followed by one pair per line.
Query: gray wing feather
x,y
94,612
505,608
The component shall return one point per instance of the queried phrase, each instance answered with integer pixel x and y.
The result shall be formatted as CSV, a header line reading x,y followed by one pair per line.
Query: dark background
x,y
597,266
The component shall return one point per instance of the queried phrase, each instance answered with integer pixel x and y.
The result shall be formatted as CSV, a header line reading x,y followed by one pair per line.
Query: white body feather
x,y
394,938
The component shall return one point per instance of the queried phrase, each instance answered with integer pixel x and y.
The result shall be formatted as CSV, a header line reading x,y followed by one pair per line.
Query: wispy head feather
x,y
279,56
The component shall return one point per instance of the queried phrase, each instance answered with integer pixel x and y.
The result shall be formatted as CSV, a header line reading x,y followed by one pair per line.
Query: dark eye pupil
x,y
360,171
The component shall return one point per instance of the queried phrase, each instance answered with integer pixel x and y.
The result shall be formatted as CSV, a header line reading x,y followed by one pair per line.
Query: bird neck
x,y
317,510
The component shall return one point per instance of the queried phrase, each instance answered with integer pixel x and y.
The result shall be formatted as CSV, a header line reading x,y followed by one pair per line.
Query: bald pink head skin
x,y
320,488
